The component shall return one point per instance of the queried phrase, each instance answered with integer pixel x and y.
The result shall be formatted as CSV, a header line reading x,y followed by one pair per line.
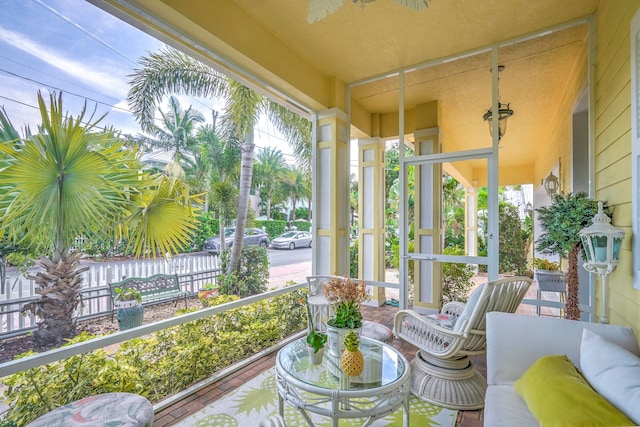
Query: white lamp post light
x,y
602,243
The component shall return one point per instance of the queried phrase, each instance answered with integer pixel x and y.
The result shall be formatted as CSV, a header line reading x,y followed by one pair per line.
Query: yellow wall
x,y
613,146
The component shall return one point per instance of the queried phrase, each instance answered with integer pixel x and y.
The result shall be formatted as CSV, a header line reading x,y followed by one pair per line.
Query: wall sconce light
x,y
551,185
602,243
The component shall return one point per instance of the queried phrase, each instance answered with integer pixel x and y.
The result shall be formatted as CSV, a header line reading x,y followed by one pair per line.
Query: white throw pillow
x,y
468,308
613,372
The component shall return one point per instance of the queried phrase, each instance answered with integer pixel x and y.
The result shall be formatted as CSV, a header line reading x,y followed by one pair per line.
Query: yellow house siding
x,y
613,146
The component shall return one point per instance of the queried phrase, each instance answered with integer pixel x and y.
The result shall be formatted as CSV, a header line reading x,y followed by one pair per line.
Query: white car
x,y
292,240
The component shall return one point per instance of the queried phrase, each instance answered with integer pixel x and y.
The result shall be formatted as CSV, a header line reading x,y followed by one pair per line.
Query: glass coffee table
x,y
381,389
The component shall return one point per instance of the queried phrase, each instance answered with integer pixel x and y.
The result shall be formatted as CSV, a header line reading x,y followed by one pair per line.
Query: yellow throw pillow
x,y
557,395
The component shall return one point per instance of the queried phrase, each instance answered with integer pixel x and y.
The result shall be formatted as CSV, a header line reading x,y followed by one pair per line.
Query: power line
x,y
96,38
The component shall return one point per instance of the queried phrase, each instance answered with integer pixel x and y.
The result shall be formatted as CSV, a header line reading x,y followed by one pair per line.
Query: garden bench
x,y
153,289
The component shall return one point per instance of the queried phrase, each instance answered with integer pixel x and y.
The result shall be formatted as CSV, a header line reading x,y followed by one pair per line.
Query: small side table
x,y
109,409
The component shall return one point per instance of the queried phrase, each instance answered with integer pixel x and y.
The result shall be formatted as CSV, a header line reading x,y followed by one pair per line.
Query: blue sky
x,y
73,46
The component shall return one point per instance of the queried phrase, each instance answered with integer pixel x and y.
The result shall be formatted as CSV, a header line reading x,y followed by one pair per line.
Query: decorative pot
x,y
315,358
129,316
550,280
336,338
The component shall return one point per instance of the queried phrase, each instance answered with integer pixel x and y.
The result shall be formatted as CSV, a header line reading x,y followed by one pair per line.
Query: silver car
x,y
252,236
292,240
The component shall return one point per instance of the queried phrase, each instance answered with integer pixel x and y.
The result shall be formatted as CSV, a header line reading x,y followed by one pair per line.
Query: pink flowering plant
x,y
347,294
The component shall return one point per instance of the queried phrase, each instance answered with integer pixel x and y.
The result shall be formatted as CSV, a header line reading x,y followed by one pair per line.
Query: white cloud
x,y
107,83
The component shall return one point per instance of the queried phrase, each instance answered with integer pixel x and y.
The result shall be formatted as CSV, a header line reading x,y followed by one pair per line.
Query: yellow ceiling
x,y
311,63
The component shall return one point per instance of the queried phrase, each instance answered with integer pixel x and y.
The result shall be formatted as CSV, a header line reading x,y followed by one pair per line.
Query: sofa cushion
x,y
468,308
557,395
613,372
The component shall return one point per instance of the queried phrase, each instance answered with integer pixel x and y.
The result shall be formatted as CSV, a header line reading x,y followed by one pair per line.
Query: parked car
x,y
292,240
252,236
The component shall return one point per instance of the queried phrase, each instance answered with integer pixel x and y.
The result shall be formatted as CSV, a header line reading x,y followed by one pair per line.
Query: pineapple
x,y
352,359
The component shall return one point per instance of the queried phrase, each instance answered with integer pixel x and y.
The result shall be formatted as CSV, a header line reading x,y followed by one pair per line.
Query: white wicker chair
x,y
441,372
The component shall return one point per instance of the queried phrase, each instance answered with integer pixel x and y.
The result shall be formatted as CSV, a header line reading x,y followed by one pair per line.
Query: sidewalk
x,y
297,273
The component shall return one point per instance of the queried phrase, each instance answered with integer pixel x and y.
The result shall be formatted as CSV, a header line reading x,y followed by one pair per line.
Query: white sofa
x,y
515,342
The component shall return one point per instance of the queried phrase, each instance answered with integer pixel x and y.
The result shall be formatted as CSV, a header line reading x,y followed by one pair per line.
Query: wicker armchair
x,y
442,372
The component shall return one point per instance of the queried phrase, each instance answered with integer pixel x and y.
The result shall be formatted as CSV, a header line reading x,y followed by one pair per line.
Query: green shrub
x,y
456,278
302,225
159,364
273,228
252,277
353,259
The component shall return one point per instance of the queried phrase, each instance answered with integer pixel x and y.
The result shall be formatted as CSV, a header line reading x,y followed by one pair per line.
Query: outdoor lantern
x,y
602,243
504,112
551,185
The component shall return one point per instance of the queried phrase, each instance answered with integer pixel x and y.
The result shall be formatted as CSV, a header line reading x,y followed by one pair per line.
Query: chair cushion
x,y
468,308
613,372
557,395
377,331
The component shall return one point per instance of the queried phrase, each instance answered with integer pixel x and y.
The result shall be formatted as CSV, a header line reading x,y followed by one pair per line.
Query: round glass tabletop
x,y
383,365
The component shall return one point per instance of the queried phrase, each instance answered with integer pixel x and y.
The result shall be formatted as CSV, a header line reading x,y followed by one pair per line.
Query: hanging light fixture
x,y
551,185
602,243
504,112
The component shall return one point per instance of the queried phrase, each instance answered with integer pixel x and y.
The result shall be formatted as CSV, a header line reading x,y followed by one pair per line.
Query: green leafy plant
x,y
252,276
127,294
545,264
456,278
347,294
159,364
561,223
317,340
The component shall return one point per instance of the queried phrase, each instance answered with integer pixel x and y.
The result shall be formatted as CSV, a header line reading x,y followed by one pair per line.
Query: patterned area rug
x,y
258,399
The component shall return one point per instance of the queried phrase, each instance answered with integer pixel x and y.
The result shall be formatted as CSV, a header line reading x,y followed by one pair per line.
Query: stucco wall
x,y
613,146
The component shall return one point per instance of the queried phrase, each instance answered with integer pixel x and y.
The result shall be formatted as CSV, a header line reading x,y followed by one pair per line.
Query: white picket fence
x,y
193,272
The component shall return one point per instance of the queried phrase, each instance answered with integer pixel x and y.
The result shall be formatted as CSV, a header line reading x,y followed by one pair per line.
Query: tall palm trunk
x,y
573,304
246,173
59,286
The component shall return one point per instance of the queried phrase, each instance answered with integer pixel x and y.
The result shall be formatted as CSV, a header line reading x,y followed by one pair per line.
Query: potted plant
x,y
129,304
207,292
315,341
561,223
347,294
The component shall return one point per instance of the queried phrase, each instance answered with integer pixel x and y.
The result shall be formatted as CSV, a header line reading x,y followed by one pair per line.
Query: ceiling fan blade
x,y
320,9
414,4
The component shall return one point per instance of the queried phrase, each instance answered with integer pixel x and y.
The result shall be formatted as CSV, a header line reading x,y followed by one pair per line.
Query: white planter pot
x,y
315,358
336,339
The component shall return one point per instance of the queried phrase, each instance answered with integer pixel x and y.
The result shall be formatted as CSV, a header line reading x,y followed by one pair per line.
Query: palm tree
x,y
176,135
169,72
72,179
268,174
295,187
223,162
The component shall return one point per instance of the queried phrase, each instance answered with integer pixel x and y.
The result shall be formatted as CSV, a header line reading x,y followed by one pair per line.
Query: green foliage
x,y
562,221
348,315
545,264
302,213
252,276
277,215
158,365
302,225
127,294
456,278
353,259
272,227
206,227
315,339
512,257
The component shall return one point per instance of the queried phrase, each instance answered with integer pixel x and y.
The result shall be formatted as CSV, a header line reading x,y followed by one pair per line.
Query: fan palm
x,y
172,72
295,186
72,179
